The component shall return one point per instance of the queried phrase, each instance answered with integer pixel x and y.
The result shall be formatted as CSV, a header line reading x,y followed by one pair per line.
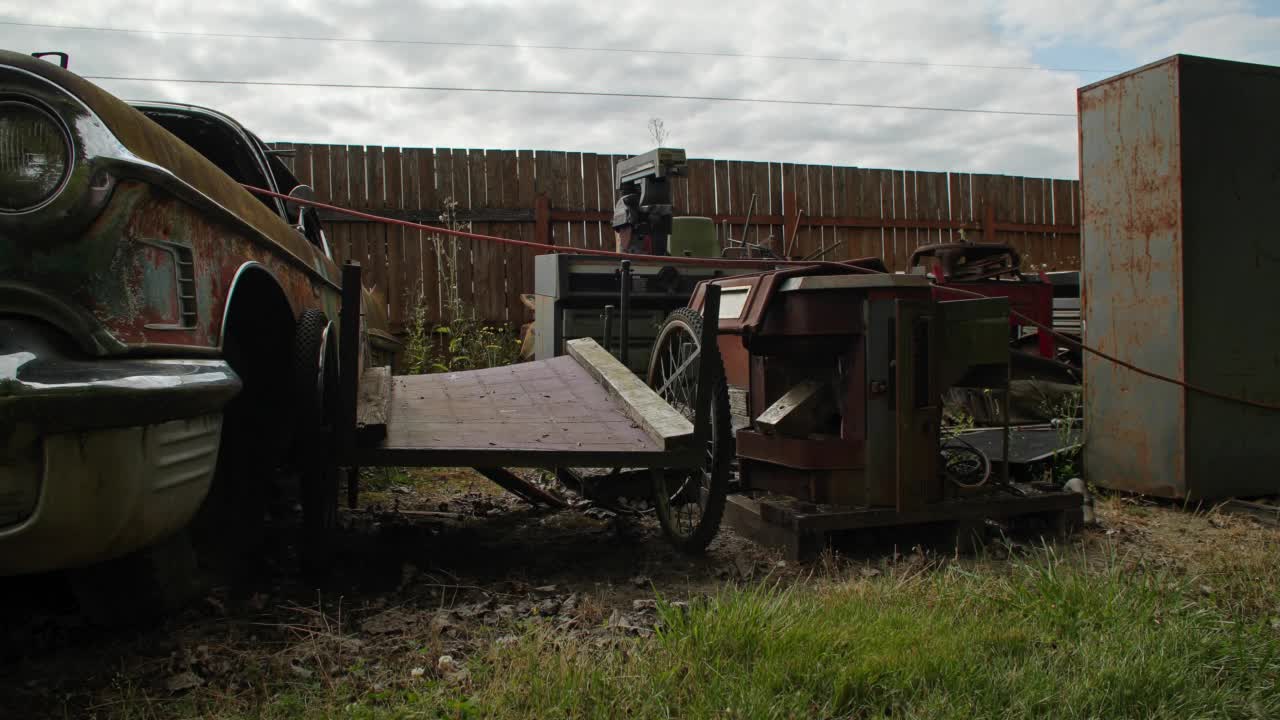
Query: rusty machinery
x,y
829,409
994,270
642,216
1044,373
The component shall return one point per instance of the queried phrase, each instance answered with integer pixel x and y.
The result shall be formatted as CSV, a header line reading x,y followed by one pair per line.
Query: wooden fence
x,y
566,199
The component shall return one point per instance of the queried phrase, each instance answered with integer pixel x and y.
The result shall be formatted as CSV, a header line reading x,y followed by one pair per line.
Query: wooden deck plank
x,y
666,427
538,414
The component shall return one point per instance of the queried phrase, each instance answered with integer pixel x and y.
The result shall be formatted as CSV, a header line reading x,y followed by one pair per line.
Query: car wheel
x,y
315,371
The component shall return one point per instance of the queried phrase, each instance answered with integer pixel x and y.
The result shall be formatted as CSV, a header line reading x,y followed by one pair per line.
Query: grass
x,y
412,487
1041,636
1047,640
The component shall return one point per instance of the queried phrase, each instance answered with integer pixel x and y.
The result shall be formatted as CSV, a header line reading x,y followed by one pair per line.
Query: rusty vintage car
x,y
167,338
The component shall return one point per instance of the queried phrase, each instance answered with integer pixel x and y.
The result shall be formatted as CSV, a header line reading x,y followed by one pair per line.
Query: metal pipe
x,y
746,225
624,314
344,445
818,254
608,327
1004,436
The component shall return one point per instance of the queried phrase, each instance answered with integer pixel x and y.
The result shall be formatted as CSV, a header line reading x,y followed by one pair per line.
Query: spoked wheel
x,y
690,503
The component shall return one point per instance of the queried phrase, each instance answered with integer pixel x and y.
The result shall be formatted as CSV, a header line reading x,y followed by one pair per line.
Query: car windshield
x,y
217,142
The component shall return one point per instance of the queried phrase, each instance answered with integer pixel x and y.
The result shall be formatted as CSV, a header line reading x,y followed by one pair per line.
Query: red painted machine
x,y
832,394
993,271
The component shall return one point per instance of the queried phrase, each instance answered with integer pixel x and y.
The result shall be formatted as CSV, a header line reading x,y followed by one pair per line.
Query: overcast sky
x,y
1100,36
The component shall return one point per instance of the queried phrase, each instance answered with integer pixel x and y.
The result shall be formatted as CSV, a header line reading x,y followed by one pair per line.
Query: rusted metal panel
x,y
131,255
1175,208
154,265
1132,288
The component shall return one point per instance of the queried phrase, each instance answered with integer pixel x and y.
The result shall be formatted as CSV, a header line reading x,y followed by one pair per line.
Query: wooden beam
x,y
373,405
522,458
520,487
800,410
668,428
542,219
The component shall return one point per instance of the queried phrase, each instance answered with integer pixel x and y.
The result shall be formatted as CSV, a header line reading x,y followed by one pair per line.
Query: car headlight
x,y
35,156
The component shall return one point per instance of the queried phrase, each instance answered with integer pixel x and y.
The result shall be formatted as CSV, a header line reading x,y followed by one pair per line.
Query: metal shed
x,y
1180,184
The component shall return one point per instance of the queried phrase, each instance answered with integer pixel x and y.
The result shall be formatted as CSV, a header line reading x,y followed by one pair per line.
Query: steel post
x,y
708,364
624,314
608,328
348,374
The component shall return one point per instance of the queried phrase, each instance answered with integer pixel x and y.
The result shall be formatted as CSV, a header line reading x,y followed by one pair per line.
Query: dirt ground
x,y
437,563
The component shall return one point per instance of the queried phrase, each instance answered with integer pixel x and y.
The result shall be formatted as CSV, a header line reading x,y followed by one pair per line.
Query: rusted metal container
x,y
1180,174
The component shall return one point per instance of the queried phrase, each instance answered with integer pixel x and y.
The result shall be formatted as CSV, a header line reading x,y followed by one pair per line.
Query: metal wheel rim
x,y
678,355
965,465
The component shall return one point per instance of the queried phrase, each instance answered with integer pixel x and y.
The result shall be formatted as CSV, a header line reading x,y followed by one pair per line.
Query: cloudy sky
x,y
924,53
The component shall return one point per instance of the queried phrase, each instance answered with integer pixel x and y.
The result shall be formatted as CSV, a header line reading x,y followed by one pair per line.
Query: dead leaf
x,y
183,681
390,621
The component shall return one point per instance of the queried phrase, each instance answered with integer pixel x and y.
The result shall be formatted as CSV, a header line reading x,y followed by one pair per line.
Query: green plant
x,y
417,344
956,419
1064,411
461,341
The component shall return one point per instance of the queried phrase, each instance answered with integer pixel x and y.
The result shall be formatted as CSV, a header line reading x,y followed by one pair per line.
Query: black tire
x,y
681,328
315,375
140,587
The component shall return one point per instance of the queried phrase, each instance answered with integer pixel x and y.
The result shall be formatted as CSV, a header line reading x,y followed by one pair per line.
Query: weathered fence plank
x,y
845,213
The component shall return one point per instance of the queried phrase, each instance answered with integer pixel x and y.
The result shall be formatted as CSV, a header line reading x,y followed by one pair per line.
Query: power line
x,y
573,48
582,93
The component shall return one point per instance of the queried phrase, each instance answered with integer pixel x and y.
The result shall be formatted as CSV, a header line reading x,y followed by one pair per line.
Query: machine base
x,y
802,530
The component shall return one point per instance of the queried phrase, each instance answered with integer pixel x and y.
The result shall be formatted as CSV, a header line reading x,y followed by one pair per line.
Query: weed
x,y
1065,413
956,419
461,341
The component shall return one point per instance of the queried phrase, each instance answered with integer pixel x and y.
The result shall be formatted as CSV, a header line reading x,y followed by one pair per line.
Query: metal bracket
x,y
63,58
708,364
348,364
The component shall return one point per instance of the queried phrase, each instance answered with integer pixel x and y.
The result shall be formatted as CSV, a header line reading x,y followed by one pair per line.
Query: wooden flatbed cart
x,y
582,410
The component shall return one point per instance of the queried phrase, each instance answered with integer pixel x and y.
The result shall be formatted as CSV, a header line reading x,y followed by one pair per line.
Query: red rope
x,y
1130,366
764,265
666,259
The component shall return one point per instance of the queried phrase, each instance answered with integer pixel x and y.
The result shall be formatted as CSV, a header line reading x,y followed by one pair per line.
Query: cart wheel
x,y
315,392
964,465
690,504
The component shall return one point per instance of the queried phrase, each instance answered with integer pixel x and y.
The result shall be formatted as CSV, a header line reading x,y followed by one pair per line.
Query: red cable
x,y
1149,373
667,259
762,264
1111,358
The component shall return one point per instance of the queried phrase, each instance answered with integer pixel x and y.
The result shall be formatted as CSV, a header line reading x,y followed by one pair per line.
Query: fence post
x,y
542,220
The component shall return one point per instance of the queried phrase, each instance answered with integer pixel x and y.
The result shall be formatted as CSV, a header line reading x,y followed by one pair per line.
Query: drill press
x,y
642,215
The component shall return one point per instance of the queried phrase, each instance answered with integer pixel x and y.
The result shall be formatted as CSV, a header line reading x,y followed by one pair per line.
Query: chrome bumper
x,y
47,383
99,457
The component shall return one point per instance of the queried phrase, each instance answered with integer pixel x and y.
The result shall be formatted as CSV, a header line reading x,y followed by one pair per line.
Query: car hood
x,y
152,143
